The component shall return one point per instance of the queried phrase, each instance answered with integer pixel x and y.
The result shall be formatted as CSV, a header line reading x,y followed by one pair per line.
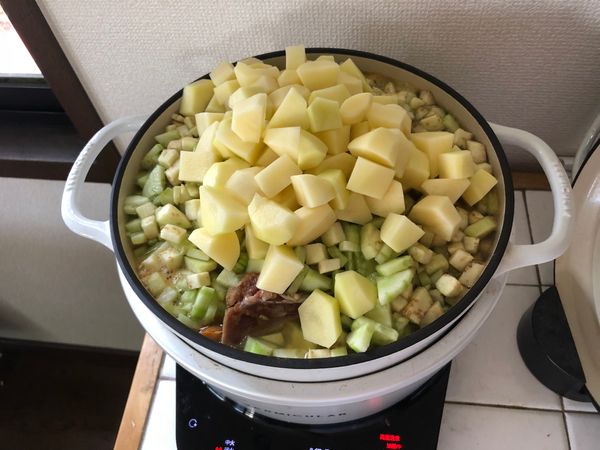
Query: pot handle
x,y
96,230
517,256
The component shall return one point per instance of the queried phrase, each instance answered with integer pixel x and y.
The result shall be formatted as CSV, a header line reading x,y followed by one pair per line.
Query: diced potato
x,y
311,151
218,174
389,116
278,95
437,214
284,141
194,165
484,166
482,182
206,141
318,74
456,165
312,191
315,253
277,176
220,211
266,157
320,319
247,75
195,97
343,161
288,77
358,129
224,91
248,151
222,73
336,140
204,119
287,198
357,210
170,214
242,184
248,119
295,56
223,248
334,235
363,175
399,232
338,93
291,113
256,248
280,268
351,68
271,222
451,188
356,294
214,106
382,145
354,109
353,84
324,114
312,223
240,94
391,202
336,178
264,83
416,170
433,144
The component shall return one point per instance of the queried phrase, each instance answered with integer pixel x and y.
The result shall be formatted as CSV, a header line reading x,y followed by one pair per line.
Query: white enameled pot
x,y
505,257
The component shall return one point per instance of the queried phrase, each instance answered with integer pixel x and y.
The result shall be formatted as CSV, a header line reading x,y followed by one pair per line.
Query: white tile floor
x,y
493,402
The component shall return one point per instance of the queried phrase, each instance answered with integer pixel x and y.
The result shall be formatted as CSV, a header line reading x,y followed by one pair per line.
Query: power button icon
x,y
193,423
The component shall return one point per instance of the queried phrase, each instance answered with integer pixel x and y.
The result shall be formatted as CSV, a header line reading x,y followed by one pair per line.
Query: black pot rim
x,y
352,359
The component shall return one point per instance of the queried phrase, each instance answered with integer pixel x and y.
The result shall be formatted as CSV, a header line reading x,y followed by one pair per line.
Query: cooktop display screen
x,y
206,422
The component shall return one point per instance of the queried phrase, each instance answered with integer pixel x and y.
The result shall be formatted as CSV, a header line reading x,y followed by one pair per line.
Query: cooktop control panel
x,y
206,421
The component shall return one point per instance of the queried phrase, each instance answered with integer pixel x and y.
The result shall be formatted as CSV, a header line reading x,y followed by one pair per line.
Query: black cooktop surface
x,y
206,422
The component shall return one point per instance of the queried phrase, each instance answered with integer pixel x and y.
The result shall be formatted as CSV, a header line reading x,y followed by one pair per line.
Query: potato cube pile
x,y
304,167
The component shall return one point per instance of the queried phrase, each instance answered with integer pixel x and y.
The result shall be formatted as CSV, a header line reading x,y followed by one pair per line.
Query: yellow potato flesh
x,y
311,151
288,77
271,222
452,189
292,112
336,140
389,116
355,108
358,129
312,191
195,97
324,114
313,222
205,119
343,161
280,268
356,294
194,165
295,56
381,145
437,214
256,248
284,141
223,248
356,211
248,119
416,170
337,93
456,165
242,184
353,84
277,176
369,178
482,182
218,174
318,74
433,144
222,73
220,211
320,319
391,202
399,232
248,151
338,181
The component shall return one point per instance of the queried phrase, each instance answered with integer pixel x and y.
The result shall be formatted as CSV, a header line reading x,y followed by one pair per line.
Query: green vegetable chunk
x,y
390,287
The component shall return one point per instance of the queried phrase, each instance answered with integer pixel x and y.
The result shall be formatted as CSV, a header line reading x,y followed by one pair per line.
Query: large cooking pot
x,y
505,257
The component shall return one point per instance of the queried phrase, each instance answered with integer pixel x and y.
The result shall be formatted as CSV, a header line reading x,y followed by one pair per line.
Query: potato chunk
x,y
399,232
320,319
324,114
277,176
356,294
369,178
271,222
381,145
195,97
318,74
482,182
280,268
220,211
456,165
355,108
291,113
356,211
312,191
437,214
389,116
284,141
223,248
433,144
248,119
391,202
416,170
452,189
312,223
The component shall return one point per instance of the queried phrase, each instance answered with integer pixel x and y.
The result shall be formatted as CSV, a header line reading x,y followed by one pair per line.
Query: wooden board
x,y
140,397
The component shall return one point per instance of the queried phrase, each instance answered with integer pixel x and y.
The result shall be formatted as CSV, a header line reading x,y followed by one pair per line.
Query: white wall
x,y
54,285
533,64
